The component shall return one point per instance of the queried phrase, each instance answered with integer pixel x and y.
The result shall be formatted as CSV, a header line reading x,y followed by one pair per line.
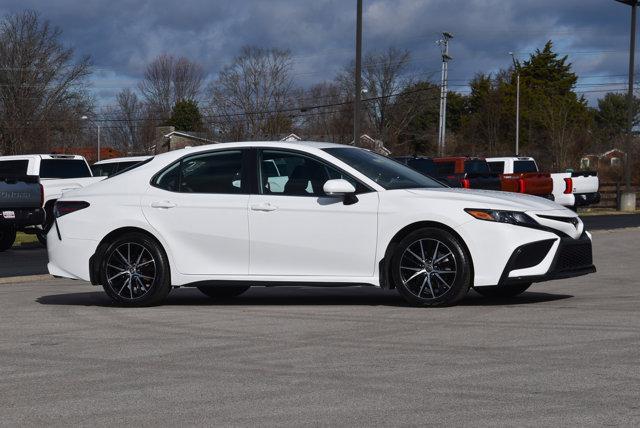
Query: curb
x,y
25,278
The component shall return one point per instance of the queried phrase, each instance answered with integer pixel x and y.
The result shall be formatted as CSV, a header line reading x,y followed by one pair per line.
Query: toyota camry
x,y
227,217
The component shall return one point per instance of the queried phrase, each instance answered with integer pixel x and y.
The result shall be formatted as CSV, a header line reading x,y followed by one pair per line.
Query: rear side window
x,y
497,167
104,170
64,168
13,167
216,172
424,166
476,167
444,168
524,166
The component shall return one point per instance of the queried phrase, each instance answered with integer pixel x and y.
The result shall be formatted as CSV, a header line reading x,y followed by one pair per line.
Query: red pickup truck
x,y
531,183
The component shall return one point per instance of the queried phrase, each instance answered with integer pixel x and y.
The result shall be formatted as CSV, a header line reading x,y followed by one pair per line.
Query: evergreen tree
x,y
186,116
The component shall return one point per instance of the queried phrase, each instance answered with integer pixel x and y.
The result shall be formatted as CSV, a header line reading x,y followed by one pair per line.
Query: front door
x,y
296,230
199,206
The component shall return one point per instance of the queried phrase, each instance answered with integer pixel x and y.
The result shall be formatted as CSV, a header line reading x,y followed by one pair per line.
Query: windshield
x,y
384,171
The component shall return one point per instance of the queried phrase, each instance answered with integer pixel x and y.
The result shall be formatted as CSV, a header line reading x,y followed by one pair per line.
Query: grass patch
x,y
23,238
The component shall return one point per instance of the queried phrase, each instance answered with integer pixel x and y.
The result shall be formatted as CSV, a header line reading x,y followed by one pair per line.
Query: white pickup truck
x,y
58,173
570,189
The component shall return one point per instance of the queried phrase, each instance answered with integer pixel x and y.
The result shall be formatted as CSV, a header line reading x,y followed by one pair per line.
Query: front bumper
x,y
584,199
573,257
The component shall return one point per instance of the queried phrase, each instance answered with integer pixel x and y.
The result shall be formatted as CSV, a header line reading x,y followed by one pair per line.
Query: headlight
x,y
511,217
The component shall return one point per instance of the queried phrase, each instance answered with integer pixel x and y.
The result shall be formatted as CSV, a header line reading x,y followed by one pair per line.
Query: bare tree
x,y
332,122
125,121
41,87
250,94
168,80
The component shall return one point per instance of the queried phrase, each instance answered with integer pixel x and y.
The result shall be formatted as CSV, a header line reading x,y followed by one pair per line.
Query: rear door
x,y
199,206
297,230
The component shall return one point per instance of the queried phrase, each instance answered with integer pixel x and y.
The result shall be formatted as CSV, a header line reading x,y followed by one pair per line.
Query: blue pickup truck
x,y
21,198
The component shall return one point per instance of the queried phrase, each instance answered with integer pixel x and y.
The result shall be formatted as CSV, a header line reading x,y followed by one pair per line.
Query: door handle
x,y
263,207
163,204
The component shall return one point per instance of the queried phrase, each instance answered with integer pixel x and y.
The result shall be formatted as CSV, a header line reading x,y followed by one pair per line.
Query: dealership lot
x,y
566,352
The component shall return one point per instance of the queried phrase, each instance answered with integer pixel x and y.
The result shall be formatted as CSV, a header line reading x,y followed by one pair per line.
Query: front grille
x,y
574,255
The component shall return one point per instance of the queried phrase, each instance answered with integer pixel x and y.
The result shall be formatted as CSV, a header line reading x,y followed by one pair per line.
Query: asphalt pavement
x,y
565,353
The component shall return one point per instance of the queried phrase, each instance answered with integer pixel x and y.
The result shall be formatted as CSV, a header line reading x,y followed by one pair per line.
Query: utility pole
x,y
358,94
516,69
628,200
444,47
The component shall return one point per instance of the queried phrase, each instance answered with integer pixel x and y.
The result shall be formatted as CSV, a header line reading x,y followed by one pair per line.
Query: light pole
x,y
444,47
97,126
628,200
517,71
358,94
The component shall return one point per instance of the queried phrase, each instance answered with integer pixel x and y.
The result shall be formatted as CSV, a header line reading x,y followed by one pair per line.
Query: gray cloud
x,y
123,35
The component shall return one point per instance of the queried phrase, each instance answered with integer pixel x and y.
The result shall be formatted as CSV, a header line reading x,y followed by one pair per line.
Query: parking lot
x,y
564,353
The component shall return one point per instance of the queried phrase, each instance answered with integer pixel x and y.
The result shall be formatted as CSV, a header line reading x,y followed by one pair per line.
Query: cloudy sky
x,y
123,35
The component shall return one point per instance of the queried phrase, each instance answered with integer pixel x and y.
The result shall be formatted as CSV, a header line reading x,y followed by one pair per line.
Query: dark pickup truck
x,y
466,172
20,206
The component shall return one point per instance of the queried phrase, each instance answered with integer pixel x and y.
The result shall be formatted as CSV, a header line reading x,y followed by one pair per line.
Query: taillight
x,y
466,183
522,186
67,207
568,186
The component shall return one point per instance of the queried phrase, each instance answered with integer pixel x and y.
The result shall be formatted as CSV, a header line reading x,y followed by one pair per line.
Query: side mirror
x,y
341,187
338,187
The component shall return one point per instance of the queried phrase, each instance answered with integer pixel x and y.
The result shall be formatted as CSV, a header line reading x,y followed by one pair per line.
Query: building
x,y
372,144
168,139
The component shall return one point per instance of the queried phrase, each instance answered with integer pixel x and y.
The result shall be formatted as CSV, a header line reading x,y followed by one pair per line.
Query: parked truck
x,y
21,198
570,189
57,174
465,172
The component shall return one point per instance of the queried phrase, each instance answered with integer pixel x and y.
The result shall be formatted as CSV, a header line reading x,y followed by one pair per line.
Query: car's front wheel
x,y
503,291
430,267
134,271
223,291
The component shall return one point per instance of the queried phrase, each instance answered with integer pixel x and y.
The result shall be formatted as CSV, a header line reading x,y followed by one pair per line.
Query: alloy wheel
x,y
428,268
131,270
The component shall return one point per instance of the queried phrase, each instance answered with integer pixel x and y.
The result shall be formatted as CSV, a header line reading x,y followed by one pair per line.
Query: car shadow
x,y
295,296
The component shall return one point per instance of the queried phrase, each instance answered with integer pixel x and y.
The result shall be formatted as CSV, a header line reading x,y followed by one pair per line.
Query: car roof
x,y
123,159
41,156
269,144
513,158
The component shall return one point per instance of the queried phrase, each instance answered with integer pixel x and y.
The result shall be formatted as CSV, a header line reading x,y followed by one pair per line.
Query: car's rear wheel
x,y
223,291
503,291
430,267
134,271
7,238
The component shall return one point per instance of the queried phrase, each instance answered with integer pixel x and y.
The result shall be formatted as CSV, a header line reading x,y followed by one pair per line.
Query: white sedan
x,y
226,217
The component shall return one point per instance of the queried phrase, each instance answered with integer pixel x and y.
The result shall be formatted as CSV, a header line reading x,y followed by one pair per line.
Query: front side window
x,y
384,171
424,166
445,168
64,168
214,172
293,174
497,167
476,167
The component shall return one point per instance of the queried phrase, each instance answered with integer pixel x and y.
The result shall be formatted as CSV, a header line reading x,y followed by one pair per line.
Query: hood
x,y
491,199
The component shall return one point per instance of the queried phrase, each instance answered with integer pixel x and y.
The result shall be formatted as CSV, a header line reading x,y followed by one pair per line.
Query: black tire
x,y
445,287
503,291
140,260
7,238
223,291
42,237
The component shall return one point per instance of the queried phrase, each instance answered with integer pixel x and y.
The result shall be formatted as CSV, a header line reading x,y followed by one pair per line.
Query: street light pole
x,y
358,71
442,126
517,71
98,126
628,202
